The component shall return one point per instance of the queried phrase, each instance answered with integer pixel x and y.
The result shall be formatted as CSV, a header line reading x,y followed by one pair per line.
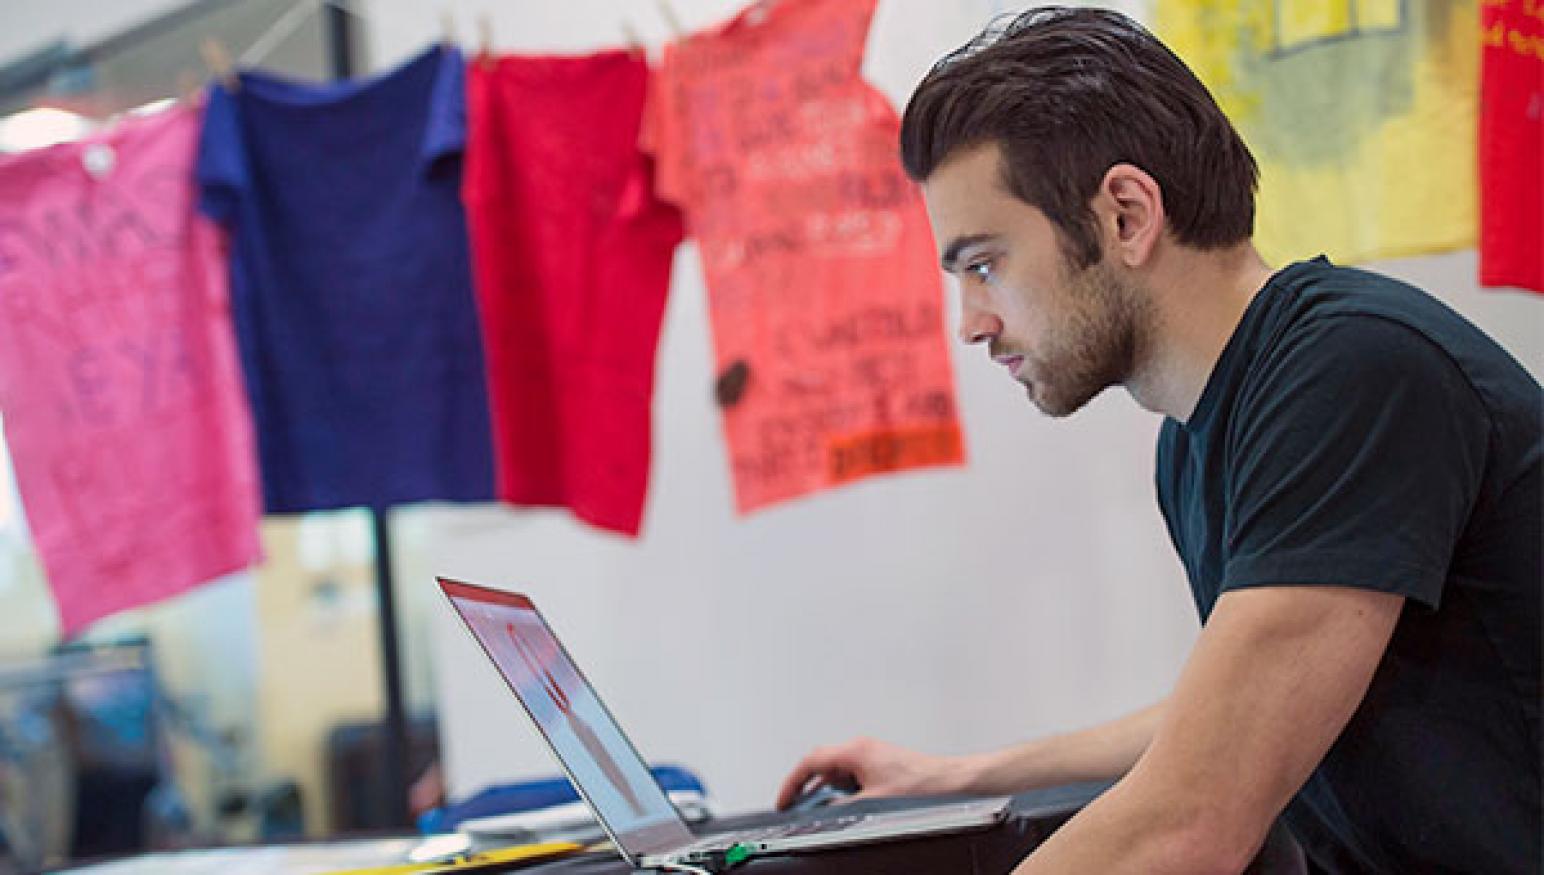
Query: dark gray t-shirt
x,y
1357,432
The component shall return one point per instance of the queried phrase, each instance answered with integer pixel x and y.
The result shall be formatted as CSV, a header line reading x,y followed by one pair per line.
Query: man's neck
x,y
1199,298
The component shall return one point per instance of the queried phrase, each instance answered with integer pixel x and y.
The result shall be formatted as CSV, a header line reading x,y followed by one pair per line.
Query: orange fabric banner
x,y
824,288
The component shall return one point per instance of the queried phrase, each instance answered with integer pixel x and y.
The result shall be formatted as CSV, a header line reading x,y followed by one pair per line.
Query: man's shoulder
x,y
1323,291
1347,324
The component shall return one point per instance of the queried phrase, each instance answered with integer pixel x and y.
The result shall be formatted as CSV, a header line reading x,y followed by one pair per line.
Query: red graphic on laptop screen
x,y
568,712
576,724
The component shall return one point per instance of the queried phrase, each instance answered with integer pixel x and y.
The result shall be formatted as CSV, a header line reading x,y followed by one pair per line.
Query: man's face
x,y
1065,332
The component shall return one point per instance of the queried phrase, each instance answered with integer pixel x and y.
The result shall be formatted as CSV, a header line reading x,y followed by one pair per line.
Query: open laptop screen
x,y
581,732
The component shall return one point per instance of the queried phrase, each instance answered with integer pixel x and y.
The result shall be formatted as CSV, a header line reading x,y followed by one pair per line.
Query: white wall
x,y
1033,590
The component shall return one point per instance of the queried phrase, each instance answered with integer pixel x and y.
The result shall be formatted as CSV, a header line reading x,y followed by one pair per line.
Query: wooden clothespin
x,y
758,13
484,38
634,41
672,20
219,61
189,84
447,27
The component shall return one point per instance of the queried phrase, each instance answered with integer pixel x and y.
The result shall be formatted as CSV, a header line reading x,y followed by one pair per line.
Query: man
x,y
1350,472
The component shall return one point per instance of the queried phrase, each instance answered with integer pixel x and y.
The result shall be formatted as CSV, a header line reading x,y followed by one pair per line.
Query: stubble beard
x,y
1096,347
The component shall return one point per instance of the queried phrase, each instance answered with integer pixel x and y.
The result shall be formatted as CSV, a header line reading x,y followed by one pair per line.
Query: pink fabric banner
x,y
119,384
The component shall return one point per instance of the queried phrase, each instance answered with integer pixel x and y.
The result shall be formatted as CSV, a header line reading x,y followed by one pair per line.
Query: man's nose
x,y
979,326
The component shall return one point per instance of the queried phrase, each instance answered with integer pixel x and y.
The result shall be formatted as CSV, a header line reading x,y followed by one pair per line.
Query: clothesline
x,y
292,19
475,363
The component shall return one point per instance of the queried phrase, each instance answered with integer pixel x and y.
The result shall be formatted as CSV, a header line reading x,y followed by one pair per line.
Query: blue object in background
x,y
534,796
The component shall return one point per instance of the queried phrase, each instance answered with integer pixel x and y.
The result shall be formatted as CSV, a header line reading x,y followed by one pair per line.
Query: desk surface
x,y
992,851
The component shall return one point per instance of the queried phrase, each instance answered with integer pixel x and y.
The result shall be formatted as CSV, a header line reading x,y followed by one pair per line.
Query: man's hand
x,y
877,768
1099,753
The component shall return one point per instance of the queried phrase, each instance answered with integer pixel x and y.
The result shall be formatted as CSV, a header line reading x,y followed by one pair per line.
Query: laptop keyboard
x,y
789,830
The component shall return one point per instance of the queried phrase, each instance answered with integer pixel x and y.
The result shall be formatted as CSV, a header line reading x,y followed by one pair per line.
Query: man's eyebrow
x,y
958,245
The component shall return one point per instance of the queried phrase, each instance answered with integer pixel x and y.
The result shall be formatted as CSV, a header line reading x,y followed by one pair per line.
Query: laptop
x,y
612,778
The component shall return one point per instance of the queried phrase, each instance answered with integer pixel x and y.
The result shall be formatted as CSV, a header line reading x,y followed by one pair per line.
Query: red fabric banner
x,y
1511,149
572,254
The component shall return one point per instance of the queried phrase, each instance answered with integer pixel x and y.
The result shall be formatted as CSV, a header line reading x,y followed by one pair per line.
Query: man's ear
x,y
1129,206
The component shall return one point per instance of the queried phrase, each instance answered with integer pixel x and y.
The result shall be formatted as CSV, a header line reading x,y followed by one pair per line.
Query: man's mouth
x,y
1011,362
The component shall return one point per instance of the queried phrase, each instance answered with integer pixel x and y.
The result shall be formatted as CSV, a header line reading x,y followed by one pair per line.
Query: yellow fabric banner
x,y
1361,114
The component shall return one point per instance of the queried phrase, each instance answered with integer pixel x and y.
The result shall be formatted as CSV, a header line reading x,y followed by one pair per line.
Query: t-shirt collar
x,y
1206,406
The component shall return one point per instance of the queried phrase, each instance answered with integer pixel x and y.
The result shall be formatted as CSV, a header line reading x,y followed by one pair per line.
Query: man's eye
x,y
982,270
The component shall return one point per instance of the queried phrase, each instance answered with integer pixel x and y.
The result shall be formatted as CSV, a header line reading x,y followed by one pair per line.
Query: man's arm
x,y
1273,679
1101,752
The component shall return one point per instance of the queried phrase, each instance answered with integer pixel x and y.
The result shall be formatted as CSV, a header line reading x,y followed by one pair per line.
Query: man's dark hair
x,y
1069,93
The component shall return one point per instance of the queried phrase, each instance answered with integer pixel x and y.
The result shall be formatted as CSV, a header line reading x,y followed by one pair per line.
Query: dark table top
x,y
991,851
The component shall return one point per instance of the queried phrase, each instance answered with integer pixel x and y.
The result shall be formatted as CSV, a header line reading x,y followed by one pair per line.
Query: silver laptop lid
x,y
599,760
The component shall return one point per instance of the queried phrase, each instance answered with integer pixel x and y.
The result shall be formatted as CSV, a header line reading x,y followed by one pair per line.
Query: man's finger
x,y
817,763
791,787
848,800
795,783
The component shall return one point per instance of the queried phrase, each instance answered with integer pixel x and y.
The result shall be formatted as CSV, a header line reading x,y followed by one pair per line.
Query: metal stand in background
x,y
394,764
340,56
340,39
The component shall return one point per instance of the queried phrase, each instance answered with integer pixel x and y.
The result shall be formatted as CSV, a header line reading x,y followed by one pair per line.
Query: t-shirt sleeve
x,y
445,128
658,135
221,171
1355,457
